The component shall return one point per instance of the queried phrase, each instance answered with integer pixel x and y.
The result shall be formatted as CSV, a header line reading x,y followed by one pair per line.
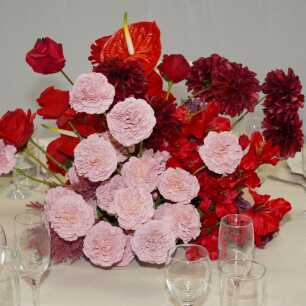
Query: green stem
x,y
58,131
66,77
48,155
35,179
75,130
170,84
27,152
199,169
140,149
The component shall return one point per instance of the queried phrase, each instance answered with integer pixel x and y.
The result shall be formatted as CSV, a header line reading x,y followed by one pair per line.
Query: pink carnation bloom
x,y
144,171
133,206
120,150
104,244
95,158
153,241
221,152
7,158
128,254
184,220
92,93
131,121
105,193
77,182
178,185
69,215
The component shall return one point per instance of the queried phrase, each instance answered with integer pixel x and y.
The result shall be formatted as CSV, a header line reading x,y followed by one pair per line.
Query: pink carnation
x,y
128,254
95,158
77,182
92,93
104,244
120,150
153,241
221,152
133,206
7,158
184,220
178,185
131,121
105,193
144,171
69,215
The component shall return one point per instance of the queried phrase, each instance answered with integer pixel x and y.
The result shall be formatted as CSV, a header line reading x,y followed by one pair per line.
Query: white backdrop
x,y
263,34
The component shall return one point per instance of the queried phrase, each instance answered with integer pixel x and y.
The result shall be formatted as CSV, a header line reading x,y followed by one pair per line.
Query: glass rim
x,y
249,219
186,245
253,262
25,214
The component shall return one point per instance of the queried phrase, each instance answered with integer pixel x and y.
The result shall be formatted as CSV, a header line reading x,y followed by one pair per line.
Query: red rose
x,y
46,57
53,102
174,68
16,127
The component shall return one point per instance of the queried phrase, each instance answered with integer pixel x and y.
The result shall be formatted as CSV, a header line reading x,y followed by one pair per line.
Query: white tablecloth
x,y
81,284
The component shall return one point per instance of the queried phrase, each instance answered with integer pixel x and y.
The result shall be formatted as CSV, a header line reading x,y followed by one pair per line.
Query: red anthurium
x,y
96,49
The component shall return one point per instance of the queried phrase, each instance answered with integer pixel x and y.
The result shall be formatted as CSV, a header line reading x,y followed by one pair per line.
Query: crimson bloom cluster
x,y
144,170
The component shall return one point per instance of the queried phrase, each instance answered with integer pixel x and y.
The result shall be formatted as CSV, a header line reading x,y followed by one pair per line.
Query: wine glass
x,y
33,243
9,281
188,274
3,241
242,283
236,238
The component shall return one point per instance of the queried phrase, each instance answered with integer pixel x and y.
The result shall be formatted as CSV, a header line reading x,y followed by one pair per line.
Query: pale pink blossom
x,y
7,158
105,193
78,183
95,158
104,244
184,220
128,254
69,215
133,206
221,152
131,121
120,149
92,93
153,241
178,185
144,171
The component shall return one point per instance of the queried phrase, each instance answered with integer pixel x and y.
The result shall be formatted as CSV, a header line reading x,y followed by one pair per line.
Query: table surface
x,y
81,284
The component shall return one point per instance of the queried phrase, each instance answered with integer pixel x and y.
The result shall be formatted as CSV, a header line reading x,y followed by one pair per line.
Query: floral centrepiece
x,y
142,170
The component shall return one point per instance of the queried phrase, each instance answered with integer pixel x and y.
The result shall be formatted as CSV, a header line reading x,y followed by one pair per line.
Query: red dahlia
x,y
283,93
285,132
128,78
232,85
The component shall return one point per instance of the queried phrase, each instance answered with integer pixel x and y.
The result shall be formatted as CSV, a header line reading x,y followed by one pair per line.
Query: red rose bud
x,y
16,127
53,102
174,68
46,57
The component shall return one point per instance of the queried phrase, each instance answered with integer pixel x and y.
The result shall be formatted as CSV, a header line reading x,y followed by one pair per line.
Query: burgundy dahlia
x,y
128,78
285,132
233,86
283,93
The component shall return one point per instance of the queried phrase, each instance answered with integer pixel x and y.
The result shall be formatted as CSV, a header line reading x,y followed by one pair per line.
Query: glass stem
x,y
35,292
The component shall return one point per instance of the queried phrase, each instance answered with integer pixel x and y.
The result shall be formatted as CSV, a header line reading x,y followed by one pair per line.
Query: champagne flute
x,y
9,281
188,274
3,241
236,238
33,243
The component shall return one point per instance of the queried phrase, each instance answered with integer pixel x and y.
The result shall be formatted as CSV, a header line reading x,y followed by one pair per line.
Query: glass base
x,y
17,194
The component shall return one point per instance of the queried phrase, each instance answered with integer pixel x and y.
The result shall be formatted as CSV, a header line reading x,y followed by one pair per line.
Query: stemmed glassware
x,y
9,281
3,241
236,238
33,243
188,274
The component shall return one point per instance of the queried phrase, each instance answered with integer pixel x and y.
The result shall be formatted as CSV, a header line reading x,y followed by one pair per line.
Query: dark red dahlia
x,y
283,93
285,132
168,123
128,78
233,86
